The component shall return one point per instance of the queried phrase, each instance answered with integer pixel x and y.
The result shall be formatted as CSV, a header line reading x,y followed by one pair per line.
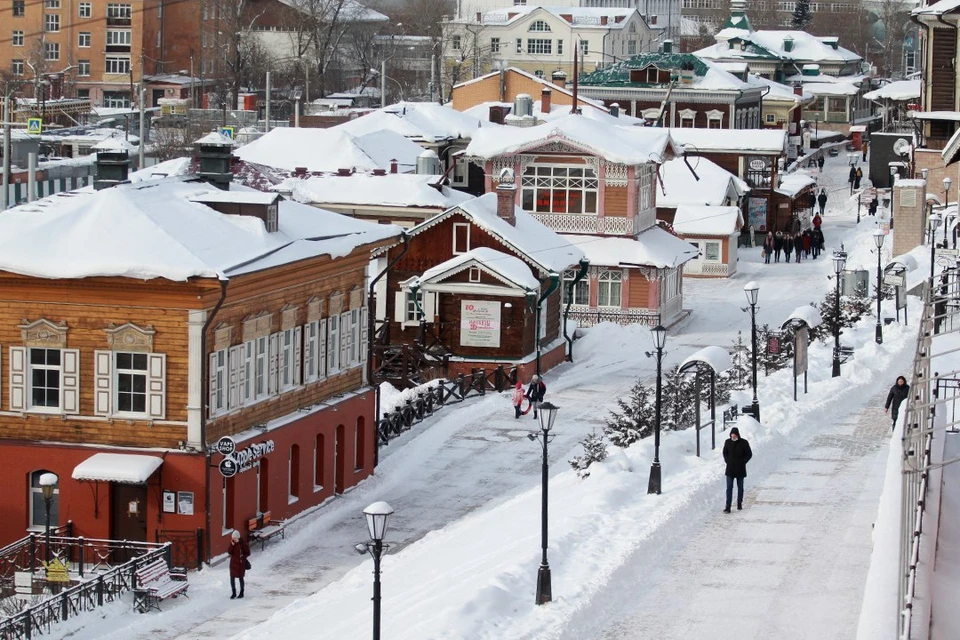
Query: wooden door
x,y
128,516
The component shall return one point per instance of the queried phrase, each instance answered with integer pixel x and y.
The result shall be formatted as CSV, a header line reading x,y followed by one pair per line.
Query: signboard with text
x,y
479,323
758,213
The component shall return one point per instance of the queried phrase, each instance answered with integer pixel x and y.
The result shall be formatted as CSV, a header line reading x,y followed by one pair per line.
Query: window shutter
x,y
234,366
71,381
310,342
364,342
322,350
103,382
297,354
344,337
380,302
212,385
399,306
429,306
18,378
243,357
157,386
273,356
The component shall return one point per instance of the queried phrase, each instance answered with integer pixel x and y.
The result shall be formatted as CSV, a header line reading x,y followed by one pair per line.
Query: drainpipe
x,y
205,403
584,266
371,326
554,278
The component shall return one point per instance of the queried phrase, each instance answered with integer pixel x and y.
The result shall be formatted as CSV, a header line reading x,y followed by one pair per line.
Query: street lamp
x,y
878,237
752,291
839,261
946,201
893,180
377,515
934,222
548,413
48,484
659,334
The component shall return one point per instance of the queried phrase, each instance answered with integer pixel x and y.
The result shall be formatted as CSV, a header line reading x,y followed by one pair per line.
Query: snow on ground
x,y
465,484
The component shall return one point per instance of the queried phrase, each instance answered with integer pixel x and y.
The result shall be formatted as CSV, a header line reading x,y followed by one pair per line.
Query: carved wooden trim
x,y
43,333
336,303
616,174
356,298
288,317
130,337
257,326
222,337
314,309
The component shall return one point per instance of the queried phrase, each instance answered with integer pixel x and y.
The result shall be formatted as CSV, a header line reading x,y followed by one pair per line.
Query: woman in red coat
x,y
239,552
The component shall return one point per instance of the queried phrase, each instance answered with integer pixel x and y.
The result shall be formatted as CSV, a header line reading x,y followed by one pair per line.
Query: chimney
x,y
615,110
545,95
603,21
379,172
497,113
428,163
479,16
559,78
506,196
653,20
788,44
113,163
344,172
668,46
393,166
215,153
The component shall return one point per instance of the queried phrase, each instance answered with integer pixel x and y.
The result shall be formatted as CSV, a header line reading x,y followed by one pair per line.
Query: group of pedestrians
x,y
854,178
807,244
534,394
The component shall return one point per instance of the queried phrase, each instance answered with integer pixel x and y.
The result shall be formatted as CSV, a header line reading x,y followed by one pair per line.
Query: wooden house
x,y
714,232
143,323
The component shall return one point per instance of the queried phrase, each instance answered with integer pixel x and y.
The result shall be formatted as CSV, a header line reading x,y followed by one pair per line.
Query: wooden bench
x,y
155,583
263,527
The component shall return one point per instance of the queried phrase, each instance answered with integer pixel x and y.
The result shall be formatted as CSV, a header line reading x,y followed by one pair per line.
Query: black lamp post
x,y
752,291
934,222
377,515
659,334
48,484
946,201
878,238
532,298
839,262
548,413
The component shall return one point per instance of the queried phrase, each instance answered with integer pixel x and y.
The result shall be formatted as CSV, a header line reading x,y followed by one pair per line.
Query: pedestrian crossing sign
x,y
228,132
34,125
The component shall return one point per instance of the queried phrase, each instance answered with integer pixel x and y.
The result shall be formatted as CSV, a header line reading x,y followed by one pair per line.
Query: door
x,y
339,459
157,94
128,517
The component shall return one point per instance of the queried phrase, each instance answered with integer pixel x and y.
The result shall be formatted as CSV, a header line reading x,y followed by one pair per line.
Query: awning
x,y
117,467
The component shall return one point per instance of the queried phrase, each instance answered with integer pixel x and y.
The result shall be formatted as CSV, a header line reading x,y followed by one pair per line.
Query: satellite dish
x,y
901,147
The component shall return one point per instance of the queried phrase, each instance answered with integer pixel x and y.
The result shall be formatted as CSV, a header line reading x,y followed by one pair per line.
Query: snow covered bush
x,y
635,420
594,450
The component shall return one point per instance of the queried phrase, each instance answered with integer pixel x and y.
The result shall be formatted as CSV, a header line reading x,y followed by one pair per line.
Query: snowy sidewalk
x,y
791,565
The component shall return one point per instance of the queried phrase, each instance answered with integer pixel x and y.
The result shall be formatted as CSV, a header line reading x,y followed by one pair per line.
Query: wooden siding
x,y
943,77
615,201
639,290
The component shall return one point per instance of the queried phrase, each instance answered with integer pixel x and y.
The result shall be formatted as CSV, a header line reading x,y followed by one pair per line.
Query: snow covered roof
x,y
619,144
557,111
831,89
794,183
331,149
707,74
681,187
420,121
938,8
737,140
216,138
899,91
807,314
821,78
652,248
157,230
580,17
715,357
700,220
581,99
392,190
530,238
767,44
510,268
174,167
780,92
113,145
117,467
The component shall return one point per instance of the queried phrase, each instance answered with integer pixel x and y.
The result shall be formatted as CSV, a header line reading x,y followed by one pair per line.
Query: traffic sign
x,y
34,125
229,132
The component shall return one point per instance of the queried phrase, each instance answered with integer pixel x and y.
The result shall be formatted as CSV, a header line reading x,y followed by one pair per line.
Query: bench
x,y
155,583
730,416
263,527
845,354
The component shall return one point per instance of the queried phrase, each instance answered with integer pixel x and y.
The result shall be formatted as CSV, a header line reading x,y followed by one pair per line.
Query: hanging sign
x,y
226,445
244,459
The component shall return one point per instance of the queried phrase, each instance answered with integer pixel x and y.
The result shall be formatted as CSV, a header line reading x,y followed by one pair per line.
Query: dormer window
x,y
540,26
650,75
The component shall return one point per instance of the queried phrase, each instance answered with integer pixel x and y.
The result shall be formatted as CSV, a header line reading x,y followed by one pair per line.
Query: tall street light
x,y
934,223
839,262
878,238
752,291
946,201
377,515
48,484
548,413
659,341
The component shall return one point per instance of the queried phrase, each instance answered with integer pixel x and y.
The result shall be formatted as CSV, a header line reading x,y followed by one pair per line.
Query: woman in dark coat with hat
x,y
239,551
736,453
898,393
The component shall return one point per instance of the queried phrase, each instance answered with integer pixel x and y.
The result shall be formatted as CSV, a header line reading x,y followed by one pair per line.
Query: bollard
x,y
80,542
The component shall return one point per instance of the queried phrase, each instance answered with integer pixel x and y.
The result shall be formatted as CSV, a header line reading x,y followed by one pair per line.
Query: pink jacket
x,y
517,396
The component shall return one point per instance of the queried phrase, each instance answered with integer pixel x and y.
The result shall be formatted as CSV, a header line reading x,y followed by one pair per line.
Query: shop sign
x,y
245,459
479,323
226,445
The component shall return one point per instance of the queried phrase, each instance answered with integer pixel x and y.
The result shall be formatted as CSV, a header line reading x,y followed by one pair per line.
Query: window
x,y
51,4
837,104
119,14
559,189
315,351
117,65
771,118
51,50
461,171
712,251
18,8
333,344
647,192
455,43
461,237
38,507
412,314
116,99
687,118
631,47
249,360
17,38
519,45
261,388
83,39
318,463
45,375
349,338
84,10
474,274
218,382
51,22
204,11
539,25
539,46
608,288
17,67
494,45
131,382
289,359
83,68
293,473
119,37
581,291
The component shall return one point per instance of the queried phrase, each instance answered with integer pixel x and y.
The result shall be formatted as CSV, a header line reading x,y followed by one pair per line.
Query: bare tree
x,y
317,29
895,16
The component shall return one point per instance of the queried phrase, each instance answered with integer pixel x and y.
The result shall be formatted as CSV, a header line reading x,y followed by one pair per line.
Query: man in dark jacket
x,y
535,393
873,206
852,177
822,201
898,393
736,453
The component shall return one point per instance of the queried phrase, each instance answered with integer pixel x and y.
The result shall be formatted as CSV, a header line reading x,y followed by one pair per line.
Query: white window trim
x,y
526,186
218,383
601,281
459,226
333,345
115,380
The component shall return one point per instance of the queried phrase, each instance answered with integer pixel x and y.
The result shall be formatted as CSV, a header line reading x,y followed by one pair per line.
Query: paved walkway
x,y
711,588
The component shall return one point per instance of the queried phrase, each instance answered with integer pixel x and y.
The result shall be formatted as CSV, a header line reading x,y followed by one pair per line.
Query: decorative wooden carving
x,y
43,333
314,309
257,326
222,337
130,337
288,317
356,298
336,303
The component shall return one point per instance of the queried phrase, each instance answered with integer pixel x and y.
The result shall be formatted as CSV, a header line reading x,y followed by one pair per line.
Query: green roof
x,y
618,74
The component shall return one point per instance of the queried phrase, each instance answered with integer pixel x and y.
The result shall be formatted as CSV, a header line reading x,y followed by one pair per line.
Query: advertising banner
x,y
479,323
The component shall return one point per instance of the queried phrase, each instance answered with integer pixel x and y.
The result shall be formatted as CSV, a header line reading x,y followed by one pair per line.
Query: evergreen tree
x,y
635,420
677,408
738,376
594,450
802,16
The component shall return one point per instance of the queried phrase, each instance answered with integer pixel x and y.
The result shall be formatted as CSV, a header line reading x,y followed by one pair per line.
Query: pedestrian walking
x,y
768,248
239,551
822,201
812,200
777,245
817,241
864,147
798,245
820,161
517,399
898,393
535,393
817,221
873,206
736,453
787,246
857,178
807,242
852,176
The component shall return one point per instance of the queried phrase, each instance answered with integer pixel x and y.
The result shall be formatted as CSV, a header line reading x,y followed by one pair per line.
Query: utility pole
x,y
4,197
383,84
267,112
143,115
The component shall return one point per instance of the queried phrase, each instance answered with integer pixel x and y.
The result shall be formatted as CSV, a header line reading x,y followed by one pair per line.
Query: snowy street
x,y
465,485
